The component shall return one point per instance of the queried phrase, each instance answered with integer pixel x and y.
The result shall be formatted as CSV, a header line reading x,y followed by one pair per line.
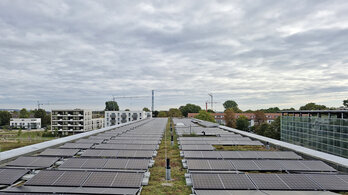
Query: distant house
x,y
25,123
220,117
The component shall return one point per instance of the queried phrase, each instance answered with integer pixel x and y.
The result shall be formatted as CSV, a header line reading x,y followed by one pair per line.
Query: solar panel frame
x,y
33,162
128,180
244,165
71,178
44,178
59,152
329,182
100,179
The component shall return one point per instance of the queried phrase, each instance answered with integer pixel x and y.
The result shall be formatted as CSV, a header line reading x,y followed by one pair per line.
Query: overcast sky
x,y
77,54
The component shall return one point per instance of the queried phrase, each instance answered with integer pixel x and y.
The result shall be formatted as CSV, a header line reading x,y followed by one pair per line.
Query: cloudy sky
x,y
79,53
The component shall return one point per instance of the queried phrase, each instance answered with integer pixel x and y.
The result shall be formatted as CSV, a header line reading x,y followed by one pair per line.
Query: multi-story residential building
x,y
25,123
323,130
120,117
220,117
76,120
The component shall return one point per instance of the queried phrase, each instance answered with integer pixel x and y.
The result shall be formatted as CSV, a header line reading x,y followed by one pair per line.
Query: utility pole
x,y
153,101
211,100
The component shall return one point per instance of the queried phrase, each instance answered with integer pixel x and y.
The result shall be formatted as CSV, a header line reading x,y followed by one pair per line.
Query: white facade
x,y
97,123
25,123
120,117
77,120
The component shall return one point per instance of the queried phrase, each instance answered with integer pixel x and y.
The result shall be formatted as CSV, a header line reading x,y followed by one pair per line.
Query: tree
x,y
230,118
262,128
189,108
126,109
271,110
286,109
23,113
242,123
345,103
174,112
313,106
155,113
231,104
249,111
45,119
111,106
204,115
146,109
162,114
260,117
210,111
5,117
275,129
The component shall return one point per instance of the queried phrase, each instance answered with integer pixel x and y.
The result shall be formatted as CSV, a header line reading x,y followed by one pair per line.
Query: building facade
x,y
323,130
77,120
25,123
97,123
119,117
220,117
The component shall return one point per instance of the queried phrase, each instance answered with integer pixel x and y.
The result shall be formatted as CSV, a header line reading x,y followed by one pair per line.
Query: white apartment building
x,y
25,123
119,117
73,120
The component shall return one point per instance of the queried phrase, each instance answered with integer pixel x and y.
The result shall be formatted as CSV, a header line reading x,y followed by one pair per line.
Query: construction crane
x,y
40,104
208,102
211,102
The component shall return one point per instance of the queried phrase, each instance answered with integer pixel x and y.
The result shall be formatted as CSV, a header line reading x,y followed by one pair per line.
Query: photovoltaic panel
x,y
73,163
250,155
143,154
243,165
32,161
127,180
343,177
220,165
138,164
207,181
230,154
293,165
72,178
267,154
44,178
91,141
211,154
97,179
194,164
316,165
197,147
94,164
193,154
236,181
59,152
269,165
298,182
10,176
116,163
268,182
77,145
329,182
288,155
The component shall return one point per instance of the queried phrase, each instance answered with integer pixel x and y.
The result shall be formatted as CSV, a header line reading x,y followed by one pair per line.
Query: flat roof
x,y
314,111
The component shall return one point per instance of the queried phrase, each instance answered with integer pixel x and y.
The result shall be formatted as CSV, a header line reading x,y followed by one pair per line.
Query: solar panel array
x,y
260,165
226,172
113,162
262,181
241,155
102,163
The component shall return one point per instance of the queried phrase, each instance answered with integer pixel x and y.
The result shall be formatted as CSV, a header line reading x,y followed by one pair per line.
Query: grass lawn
x,y
11,139
157,183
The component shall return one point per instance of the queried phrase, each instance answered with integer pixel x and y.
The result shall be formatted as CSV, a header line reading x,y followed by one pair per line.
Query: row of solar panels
x,y
258,165
262,181
79,163
75,168
289,155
